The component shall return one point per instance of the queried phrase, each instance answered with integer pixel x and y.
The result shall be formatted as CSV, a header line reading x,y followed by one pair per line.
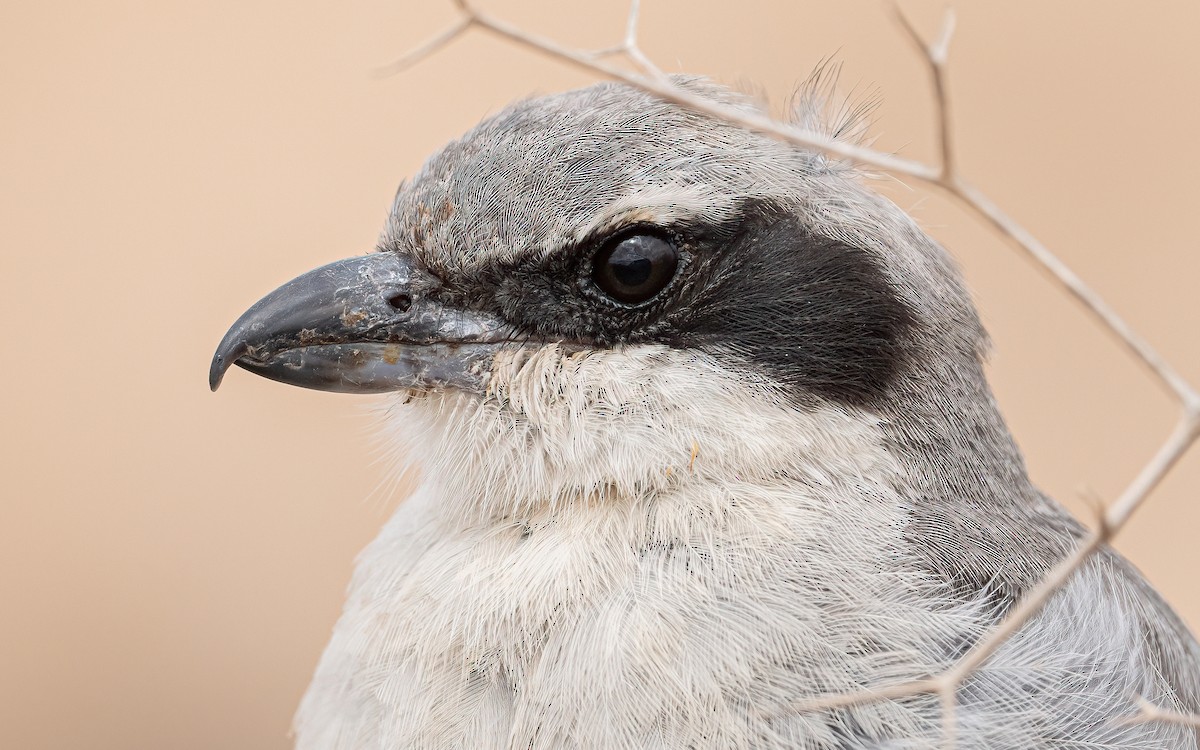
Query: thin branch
x,y
1148,712
616,49
666,90
632,50
1182,438
947,682
416,55
1028,606
629,47
863,697
631,23
940,49
934,55
1061,273
949,703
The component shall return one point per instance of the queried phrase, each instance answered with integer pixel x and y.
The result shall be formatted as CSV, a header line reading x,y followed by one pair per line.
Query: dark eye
x,y
635,268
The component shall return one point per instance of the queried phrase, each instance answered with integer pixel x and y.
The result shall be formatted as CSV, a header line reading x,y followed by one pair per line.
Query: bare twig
x,y
873,695
949,704
416,55
632,50
934,56
1070,282
944,175
629,46
1148,712
946,683
666,90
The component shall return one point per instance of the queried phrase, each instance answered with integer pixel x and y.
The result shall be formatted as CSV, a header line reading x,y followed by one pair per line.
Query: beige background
x,y
171,560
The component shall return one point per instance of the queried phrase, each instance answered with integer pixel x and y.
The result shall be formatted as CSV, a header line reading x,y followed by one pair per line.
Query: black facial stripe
x,y
813,313
763,291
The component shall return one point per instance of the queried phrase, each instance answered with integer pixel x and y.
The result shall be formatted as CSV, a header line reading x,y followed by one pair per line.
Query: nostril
x,y
400,301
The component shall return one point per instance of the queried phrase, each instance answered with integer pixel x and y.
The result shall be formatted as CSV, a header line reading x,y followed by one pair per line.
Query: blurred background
x,y
171,561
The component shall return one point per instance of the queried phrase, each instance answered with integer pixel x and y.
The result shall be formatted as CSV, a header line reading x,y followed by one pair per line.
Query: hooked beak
x,y
362,325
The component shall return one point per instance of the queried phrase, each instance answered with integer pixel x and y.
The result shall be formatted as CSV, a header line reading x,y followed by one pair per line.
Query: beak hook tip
x,y
227,354
216,373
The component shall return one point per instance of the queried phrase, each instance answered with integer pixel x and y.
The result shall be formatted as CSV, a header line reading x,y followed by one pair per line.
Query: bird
x,y
703,434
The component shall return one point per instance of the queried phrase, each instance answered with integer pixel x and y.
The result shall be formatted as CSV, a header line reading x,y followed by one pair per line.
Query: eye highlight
x,y
636,267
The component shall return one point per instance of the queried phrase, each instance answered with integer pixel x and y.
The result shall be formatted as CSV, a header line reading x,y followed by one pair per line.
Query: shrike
x,y
703,432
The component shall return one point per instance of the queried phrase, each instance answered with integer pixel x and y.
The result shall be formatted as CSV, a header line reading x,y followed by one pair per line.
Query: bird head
x,y
600,294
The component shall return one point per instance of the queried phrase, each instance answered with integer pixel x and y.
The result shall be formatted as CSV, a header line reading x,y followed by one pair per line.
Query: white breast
x,y
632,620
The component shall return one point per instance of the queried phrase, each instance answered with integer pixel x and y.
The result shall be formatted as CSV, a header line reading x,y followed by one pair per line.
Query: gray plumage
x,y
662,524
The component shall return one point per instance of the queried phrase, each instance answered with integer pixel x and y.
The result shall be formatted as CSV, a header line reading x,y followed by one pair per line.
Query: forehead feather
x,y
549,171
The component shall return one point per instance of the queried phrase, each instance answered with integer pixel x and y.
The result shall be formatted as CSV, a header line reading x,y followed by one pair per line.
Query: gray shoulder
x,y
1073,674
1169,650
